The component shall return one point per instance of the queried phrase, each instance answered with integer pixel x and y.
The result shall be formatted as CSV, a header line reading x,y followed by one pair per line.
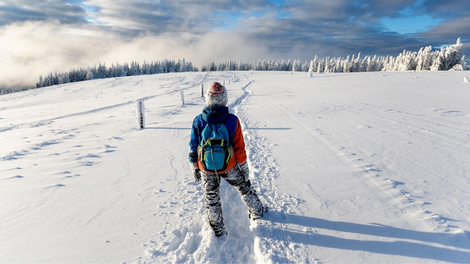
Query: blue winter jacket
x,y
215,115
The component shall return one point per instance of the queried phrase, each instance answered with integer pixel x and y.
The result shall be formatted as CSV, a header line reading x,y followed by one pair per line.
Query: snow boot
x,y
259,214
221,232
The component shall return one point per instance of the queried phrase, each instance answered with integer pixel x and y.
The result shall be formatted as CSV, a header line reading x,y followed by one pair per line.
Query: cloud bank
x,y
40,47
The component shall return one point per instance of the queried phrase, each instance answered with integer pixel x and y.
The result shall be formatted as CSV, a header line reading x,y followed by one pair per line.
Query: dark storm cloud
x,y
348,25
343,27
37,10
347,10
334,28
456,23
196,17
447,9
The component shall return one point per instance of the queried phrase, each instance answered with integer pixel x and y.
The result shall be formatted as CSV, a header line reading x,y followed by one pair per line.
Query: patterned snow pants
x,y
212,195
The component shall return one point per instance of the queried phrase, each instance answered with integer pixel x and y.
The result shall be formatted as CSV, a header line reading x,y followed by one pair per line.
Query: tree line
x,y
115,70
426,59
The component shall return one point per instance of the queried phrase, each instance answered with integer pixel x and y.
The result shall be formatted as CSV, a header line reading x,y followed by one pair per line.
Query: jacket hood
x,y
215,115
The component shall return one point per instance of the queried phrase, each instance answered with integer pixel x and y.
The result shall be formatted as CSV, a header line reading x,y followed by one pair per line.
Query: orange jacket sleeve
x,y
239,144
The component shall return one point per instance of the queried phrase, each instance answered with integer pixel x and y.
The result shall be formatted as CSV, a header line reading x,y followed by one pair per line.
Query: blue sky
x,y
218,30
411,24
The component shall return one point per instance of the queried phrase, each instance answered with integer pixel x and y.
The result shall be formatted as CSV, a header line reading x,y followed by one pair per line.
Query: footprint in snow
x,y
15,177
55,186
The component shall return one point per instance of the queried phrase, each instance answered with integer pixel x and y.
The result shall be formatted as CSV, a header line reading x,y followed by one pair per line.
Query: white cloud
x,y
30,49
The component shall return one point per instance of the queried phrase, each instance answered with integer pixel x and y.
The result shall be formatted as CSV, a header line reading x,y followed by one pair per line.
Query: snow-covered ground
x,y
364,167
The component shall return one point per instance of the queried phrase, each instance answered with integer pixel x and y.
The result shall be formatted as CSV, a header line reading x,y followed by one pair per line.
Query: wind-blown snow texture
x,y
366,167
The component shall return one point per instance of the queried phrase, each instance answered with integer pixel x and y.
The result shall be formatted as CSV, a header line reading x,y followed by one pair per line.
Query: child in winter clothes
x,y
236,173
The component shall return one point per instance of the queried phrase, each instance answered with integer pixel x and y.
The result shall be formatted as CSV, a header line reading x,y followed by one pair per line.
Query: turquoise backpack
x,y
215,150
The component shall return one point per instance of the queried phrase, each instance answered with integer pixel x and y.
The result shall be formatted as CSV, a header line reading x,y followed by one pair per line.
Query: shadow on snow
x,y
400,248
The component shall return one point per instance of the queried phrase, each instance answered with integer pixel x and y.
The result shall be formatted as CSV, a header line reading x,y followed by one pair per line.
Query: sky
x,y
42,36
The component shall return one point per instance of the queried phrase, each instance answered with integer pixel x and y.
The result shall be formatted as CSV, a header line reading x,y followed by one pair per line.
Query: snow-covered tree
x,y
453,55
424,59
297,65
437,61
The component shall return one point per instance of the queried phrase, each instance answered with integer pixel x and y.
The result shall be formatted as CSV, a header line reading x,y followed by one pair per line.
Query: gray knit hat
x,y
216,95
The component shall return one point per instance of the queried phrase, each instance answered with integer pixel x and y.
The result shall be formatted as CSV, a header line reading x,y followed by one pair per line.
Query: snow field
x,y
366,167
367,145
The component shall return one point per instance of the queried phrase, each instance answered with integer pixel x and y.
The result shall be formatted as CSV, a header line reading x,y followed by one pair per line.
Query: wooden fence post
x,y
140,113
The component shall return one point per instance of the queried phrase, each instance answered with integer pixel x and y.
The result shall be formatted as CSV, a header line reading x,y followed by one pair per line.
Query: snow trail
x,y
270,246
197,244
248,241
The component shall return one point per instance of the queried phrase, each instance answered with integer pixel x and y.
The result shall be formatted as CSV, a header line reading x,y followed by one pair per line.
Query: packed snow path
x,y
367,167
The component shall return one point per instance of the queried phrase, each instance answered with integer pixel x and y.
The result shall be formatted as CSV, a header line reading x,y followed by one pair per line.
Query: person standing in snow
x,y
236,172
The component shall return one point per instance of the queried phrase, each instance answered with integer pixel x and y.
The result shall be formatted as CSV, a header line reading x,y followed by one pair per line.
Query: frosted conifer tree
x,y
453,55
437,61
424,59
41,82
311,67
296,65
346,65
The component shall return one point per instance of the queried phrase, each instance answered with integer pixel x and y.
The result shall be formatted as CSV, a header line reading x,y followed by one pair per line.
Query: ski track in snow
x,y
412,204
270,246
